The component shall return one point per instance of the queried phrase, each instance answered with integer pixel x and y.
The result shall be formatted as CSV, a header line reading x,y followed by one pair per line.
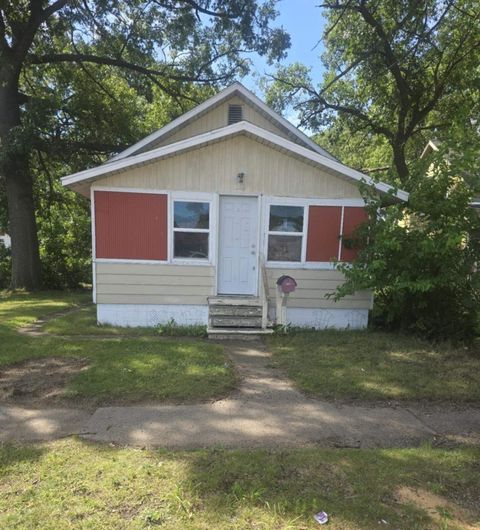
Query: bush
x,y
421,258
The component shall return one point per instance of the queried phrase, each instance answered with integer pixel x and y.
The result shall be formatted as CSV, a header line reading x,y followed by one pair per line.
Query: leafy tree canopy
x,y
78,81
397,73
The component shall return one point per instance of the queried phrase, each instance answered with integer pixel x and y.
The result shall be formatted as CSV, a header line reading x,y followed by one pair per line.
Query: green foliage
x,y
404,74
421,259
173,329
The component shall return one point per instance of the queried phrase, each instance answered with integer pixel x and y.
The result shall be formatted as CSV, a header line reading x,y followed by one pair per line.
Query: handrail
x,y
264,292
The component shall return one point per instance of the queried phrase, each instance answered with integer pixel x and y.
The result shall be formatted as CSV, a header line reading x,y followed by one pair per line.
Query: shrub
x,y
421,258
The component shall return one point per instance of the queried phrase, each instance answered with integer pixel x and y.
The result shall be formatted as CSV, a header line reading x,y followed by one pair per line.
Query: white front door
x,y
238,252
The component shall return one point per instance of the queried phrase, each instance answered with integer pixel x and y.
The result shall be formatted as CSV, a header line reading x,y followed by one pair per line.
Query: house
x,y
433,147
5,240
197,221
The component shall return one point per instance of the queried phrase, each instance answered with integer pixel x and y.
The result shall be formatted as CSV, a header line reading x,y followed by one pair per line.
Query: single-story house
x,y
199,220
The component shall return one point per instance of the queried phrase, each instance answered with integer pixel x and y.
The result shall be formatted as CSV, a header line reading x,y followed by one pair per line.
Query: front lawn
x,y
71,484
371,365
84,322
110,370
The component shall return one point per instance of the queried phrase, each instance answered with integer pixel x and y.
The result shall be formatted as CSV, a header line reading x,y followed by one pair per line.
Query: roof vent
x,y
235,114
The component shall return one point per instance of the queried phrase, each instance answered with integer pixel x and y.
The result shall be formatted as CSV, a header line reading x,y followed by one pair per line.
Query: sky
x,y
304,22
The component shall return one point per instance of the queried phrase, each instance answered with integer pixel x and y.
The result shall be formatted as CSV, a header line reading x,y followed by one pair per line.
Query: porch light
x,y
240,177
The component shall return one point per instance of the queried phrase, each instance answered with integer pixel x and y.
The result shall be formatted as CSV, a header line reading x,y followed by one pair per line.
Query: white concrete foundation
x,y
327,318
149,315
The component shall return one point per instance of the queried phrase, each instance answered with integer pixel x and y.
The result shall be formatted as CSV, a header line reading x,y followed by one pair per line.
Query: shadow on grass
x,y
106,487
12,456
412,488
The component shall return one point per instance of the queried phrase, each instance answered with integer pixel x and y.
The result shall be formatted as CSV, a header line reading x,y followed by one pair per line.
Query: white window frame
x,y
208,199
301,234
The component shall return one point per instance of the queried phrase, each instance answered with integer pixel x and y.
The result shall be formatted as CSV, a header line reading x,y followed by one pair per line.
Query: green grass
x,y
120,370
371,365
75,485
84,322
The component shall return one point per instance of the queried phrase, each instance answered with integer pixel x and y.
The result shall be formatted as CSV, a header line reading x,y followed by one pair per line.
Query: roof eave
x,y
230,131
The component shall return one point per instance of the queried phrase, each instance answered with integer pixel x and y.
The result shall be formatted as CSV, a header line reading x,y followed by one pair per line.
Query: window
x,y
191,226
285,233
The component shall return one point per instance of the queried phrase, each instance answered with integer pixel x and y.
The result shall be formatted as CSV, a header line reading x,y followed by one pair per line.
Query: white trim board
x,y
242,127
236,89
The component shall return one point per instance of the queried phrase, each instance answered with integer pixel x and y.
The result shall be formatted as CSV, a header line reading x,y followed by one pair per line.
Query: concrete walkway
x,y
266,411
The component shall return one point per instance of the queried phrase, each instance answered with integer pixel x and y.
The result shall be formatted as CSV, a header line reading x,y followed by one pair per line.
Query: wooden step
x,y
235,310
237,333
234,300
235,322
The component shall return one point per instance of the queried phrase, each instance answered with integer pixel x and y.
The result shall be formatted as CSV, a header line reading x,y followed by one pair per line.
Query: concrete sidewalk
x,y
266,411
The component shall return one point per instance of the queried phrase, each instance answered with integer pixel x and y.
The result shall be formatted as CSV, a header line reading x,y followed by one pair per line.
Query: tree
x,y
422,259
164,43
394,70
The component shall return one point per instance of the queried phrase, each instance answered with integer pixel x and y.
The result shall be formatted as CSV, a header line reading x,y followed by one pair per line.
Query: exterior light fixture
x,y
241,177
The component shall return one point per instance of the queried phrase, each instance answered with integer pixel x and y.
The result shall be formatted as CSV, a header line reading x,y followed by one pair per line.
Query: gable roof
x,y
236,89
78,180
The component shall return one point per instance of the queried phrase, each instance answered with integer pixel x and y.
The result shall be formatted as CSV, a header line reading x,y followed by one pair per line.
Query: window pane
x,y
286,218
284,248
190,245
191,214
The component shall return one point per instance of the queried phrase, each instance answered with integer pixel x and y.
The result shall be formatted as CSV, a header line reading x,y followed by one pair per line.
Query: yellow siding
x,y
213,168
133,283
218,117
313,285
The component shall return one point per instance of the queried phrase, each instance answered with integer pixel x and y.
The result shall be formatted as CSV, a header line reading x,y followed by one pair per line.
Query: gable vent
x,y
235,114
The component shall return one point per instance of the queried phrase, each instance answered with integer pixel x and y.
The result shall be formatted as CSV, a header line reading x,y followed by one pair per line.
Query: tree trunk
x,y
399,161
21,211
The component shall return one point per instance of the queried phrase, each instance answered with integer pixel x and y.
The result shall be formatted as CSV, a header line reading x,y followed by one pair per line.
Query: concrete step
x,y
237,333
235,322
235,310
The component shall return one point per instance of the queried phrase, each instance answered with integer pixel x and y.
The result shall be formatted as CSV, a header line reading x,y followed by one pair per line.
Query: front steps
x,y
235,317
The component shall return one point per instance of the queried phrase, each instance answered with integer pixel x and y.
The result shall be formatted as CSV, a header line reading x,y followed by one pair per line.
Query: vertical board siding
x,y
213,168
216,118
353,217
323,232
131,225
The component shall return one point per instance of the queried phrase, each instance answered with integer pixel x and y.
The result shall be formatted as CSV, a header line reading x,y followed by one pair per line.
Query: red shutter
x,y
353,217
131,225
323,232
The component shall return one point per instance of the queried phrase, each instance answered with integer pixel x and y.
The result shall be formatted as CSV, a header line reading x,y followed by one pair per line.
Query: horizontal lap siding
x,y
133,283
313,285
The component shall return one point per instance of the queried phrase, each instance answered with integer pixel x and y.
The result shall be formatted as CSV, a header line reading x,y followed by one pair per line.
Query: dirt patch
x,y
439,509
39,381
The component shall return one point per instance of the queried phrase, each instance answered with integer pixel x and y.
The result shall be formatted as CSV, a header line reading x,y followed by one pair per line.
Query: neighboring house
x,y
5,239
197,221
433,147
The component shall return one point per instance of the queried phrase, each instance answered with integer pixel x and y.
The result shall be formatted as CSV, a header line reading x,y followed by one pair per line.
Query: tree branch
x,y
200,9
120,63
